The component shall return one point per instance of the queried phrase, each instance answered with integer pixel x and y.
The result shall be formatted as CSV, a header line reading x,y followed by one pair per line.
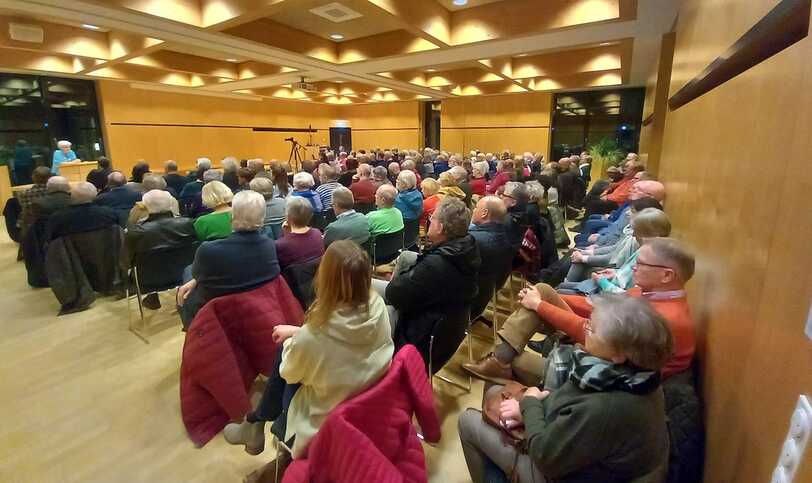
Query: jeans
x,y
275,401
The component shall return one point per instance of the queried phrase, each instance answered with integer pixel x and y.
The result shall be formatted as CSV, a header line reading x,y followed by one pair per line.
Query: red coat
x,y
228,343
352,446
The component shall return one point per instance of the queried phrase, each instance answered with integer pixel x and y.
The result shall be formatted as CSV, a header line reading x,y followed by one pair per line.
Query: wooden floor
x,y
83,399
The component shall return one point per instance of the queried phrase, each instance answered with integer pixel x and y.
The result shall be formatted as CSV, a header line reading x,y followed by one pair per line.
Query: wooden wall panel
x,y
751,227
655,108
391,124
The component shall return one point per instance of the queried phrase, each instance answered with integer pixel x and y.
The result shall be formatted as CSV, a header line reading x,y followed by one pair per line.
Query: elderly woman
x,y
409,200
274,207
136,181
230,167
139,211
602,418
62,154
448,186
217,224
243,261
299,242
303,183
504,173
478,182
430,188
380,176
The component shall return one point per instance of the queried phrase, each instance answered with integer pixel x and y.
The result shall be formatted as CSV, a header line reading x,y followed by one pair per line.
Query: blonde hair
x,y
447,179
215,194
344,279
650,223
429,187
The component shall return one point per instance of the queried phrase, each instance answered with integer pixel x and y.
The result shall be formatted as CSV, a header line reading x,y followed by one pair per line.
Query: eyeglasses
x,y
644,264
503,195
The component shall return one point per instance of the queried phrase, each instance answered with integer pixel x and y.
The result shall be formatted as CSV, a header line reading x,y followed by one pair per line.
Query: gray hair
x,y
212,175
342,198
327,173
406,181
459,173
303,181
256,165
535,191
247,211
170,166
380,174
651,223
116,178
216,194
63,144
364,169
263,186
633,328
387,193
481,168
57,183
516,190
153,182
204,163
454,216
298,211
675,254
83,192
230,163
157,201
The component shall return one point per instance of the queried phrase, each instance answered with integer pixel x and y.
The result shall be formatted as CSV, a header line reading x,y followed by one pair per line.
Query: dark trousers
x,y
590,227
275,401
600,207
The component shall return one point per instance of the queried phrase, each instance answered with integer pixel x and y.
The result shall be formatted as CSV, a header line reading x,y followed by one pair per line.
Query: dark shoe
x,y
490,369
151,301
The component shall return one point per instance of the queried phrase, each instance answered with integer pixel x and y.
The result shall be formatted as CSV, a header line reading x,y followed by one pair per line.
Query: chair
x,y
411,233
299,277
319,221
156,271
386,247
444,327
364,208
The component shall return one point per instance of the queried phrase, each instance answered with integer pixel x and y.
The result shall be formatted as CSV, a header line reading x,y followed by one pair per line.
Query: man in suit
x,y
349,224
173,179
82,215
118,197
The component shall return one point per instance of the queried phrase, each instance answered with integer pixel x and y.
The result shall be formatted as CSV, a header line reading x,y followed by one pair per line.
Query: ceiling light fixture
x,y
604,44
90,27
232,60
522,55
431,70
336,36
460,3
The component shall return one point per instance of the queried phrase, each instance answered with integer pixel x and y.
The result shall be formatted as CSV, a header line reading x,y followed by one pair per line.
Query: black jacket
x,y
439,287
79,219
176,182
98,177
49,204
160,231
119,198
497,257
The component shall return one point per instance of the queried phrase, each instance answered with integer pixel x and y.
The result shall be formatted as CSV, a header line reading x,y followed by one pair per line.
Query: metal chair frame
x,y
432,375
138,296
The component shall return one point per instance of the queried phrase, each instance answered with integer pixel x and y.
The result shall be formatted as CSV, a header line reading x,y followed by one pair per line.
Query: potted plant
x,y
605,154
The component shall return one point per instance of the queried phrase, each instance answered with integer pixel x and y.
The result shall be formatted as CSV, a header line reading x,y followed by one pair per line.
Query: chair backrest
x,y
446,336
299,277
319,221
387,247
364,208
160,270
411,233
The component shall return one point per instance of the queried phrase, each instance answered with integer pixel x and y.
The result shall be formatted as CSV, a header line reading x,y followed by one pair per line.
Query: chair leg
x,y
138,332
495,302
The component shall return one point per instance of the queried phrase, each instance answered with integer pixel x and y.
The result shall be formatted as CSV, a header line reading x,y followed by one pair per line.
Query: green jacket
x,y
576,436
349,225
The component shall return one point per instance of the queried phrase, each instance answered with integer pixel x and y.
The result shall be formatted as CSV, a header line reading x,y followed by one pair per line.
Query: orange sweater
x,y
620,193
675,311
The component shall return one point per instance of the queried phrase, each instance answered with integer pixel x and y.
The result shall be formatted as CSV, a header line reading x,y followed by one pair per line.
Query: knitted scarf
x,y
592,373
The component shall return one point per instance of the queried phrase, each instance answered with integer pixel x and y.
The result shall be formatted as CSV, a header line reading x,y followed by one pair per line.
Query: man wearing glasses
x,y
663,268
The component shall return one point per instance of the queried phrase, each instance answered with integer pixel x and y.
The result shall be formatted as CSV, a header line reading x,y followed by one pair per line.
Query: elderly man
x,y
151,182
514,196
489,230
38,190
387,218
349,224
662,269
118,197
56,198
62,154
244,260
258,167
173,179
460,176
393,172
328,175
617,193
438,286
363,190
303,183
82,215
194,183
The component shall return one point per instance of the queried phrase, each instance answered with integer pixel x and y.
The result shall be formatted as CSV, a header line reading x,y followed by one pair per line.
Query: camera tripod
x,y
295,156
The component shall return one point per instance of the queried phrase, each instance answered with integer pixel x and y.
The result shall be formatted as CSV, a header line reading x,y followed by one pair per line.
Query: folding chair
x,y
386,247
467,338
411,234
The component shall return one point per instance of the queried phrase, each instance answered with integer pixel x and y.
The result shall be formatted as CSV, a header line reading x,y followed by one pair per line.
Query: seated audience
x,y
409,165
244,178
431,198
117,197
151,182
328,176
363,190
343,348
489,230
257,165
349,224
98,176
303,187
279,175
617,193
408,200
387,218
380,176
478,181
394,171
439,283
161,230
136,182
39,190
460,176
173,179
217,224
82,215
194,186
349,173
504,173
661,271
514,196
243,261
274,207
299,242
605,422
448,186
230,167
608,228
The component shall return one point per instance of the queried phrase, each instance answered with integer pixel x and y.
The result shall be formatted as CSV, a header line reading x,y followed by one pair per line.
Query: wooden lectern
x,y
77,170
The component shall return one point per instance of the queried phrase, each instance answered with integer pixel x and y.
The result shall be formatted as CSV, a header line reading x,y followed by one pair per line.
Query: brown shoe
x,y
490,369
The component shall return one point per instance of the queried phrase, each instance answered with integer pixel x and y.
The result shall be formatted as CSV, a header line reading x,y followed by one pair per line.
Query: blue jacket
x,y
410,204
612,233
59,158
313,198
119,198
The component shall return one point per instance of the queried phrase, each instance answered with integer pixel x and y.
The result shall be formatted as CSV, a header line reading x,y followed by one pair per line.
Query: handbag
x,y
491,413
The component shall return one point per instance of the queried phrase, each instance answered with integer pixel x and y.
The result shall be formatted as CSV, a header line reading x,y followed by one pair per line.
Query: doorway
x,y
432,113
341,139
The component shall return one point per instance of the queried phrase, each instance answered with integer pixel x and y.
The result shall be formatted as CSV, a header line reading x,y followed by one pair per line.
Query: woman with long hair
x,y
344,347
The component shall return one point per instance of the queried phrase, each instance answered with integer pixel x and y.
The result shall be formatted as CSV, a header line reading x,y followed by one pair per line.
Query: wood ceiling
x,y
390,50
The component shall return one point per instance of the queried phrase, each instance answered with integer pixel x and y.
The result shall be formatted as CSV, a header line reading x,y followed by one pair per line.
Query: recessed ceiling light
x,y
339,82
460,3
232,60
604,44
522,55
90,27
431,70
336,36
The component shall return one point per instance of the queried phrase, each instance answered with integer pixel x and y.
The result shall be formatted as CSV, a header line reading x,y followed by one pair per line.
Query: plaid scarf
x,y
592,373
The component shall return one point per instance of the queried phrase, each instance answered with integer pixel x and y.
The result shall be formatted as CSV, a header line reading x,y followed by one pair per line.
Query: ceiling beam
x,y
426,19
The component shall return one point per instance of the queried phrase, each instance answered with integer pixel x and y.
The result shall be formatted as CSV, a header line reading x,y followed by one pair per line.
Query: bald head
x,y
57,183
82,193
116,179
647,189
385,196
489,209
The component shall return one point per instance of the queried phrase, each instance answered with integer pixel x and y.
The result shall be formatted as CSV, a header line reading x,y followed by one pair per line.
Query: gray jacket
x,y
349,225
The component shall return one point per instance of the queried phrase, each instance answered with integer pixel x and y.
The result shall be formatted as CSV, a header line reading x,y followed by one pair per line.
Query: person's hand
x,y
285,226
577,257
509,410
536,393
592,238
606,217
590,250
184,291
530,298
281,333
596,276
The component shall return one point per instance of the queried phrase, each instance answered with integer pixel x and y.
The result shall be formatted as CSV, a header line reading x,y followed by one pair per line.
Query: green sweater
x,y
576,436
384,220
213,226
